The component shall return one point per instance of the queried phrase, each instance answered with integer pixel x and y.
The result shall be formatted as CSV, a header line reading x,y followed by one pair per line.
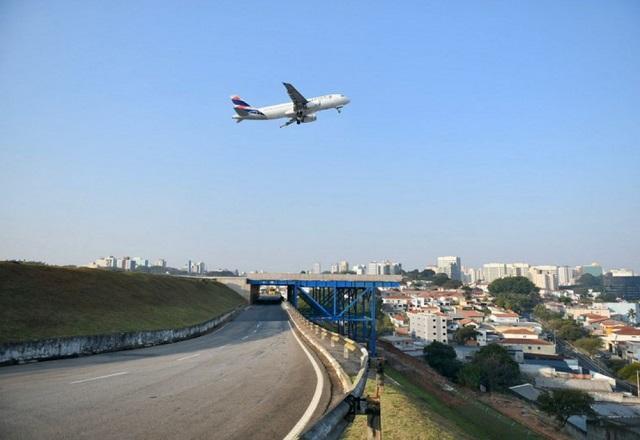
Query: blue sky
x,y
496,131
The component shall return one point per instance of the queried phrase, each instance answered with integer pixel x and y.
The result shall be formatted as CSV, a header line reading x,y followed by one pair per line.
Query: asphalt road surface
x,y
249,379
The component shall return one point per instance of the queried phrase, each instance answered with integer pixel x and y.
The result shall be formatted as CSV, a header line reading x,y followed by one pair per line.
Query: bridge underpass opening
x,y
345,304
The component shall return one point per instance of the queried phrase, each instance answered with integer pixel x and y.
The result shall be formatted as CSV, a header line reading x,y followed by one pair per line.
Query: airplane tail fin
x,y
240,106
238,101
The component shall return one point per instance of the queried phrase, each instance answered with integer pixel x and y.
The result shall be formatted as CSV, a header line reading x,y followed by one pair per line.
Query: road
x,y
592,365
249,379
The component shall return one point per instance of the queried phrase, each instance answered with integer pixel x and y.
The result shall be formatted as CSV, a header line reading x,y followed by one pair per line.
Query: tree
x,y
629,372
518,285
565,300
384,326
516,293
440,279
606,297
544,314
452,284
464,334
631,314
568,329
564,403
442,358
492,367
590,344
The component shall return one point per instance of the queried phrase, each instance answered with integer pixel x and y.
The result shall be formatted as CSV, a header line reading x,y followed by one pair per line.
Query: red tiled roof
x,y
519,331
629,331
506,315
593,316
613,323
471,314
514,341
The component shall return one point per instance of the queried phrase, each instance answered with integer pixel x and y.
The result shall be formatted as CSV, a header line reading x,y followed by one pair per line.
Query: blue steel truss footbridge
x,y
343,303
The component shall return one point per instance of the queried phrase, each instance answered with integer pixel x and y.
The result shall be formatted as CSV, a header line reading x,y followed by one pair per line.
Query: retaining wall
x,y
341,353
56,348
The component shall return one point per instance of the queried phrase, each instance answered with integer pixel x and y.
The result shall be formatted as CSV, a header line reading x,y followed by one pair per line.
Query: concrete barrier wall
x,y
333,422
56,348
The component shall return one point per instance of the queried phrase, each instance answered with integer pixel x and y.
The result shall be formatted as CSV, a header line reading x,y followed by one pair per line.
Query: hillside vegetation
x,y
38,301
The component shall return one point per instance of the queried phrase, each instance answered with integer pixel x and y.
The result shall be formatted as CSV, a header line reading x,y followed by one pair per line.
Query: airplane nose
x,y
346,100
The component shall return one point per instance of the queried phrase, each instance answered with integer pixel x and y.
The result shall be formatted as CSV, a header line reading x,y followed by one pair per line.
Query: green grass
x,y
404,416
409,412
38,302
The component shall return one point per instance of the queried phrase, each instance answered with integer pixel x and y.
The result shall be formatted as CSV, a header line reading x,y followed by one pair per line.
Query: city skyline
x,y
117,133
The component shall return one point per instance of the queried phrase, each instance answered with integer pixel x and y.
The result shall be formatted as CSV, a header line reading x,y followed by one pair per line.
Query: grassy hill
x,y
38,301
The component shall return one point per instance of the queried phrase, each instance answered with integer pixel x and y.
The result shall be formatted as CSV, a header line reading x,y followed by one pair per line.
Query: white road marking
x,y
99,377
244,338
317,394
189,357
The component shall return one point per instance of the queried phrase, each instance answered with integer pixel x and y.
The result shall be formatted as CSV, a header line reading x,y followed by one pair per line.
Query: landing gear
x,y
339,109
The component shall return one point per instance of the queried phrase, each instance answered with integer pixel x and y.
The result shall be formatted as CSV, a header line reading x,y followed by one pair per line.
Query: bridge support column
x,y
291,293
254,294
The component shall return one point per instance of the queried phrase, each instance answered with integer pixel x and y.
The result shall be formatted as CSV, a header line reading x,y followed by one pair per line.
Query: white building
x,y
505,317
161,263
545,277
109,262
566,276
494,271
517,270
317,268
141,262
384,268
428,327
621,272
343,267
628,310
450,266
334,268
359,269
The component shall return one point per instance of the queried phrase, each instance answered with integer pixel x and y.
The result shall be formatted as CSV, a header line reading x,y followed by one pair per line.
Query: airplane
x,y
300,110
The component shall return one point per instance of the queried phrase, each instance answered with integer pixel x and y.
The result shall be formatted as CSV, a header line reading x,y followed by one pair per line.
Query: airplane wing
x,y
299,101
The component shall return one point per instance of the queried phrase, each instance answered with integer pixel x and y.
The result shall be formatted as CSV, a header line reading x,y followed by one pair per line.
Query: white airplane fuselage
x,y
286,110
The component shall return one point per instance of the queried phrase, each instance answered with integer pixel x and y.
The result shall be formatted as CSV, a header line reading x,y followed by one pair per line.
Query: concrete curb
x,y
58,348
333,422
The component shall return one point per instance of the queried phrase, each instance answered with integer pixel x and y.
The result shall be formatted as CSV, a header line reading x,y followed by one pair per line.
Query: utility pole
x,y
638,383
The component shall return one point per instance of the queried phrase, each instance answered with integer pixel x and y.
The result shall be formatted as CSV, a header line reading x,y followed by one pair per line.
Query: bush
x,y
629,372
442,358
590,344
564,403
492,367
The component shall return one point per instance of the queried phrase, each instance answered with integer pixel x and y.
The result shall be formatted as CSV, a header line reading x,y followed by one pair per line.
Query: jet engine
x,y
308,118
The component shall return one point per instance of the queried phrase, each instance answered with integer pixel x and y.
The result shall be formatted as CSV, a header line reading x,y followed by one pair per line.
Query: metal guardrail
x,y
329,344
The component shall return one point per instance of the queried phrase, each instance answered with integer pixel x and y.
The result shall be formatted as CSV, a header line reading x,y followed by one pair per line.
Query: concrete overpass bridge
x,y
344,303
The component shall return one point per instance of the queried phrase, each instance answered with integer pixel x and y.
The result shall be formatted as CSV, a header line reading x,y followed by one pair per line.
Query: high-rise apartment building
x,y
566,276
450,266
384,268
545,277
343,267
428,327
317,268
493,271
517,270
